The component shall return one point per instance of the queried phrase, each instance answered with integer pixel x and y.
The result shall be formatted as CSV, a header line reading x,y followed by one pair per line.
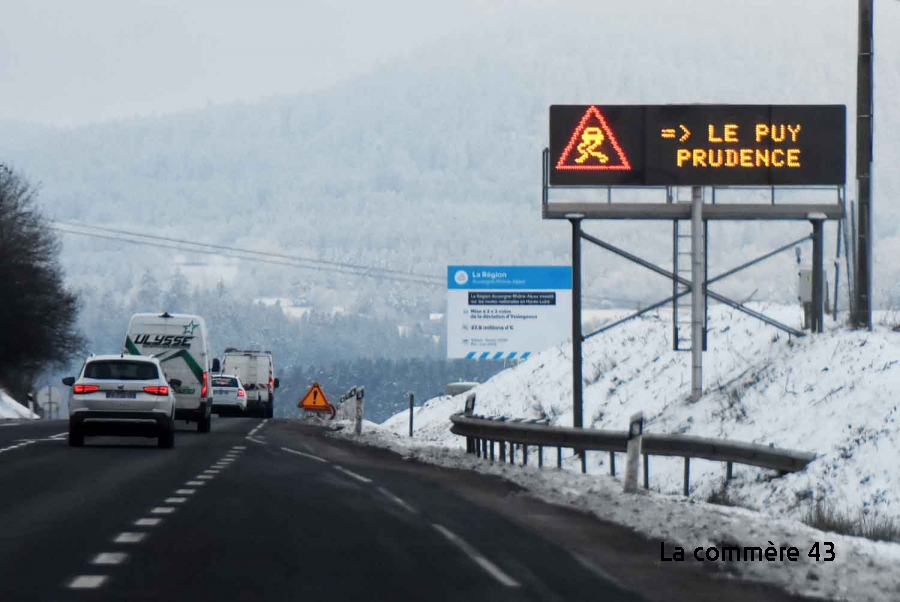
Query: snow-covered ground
x,y
11,409
834,394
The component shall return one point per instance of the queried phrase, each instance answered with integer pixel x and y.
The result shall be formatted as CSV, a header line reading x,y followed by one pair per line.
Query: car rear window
x,y
121,370
224,381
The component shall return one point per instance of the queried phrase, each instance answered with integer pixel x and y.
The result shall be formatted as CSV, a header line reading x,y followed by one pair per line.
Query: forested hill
x,y
434,158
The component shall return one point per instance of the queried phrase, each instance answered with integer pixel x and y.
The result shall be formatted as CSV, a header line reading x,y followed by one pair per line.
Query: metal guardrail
x,y
482,433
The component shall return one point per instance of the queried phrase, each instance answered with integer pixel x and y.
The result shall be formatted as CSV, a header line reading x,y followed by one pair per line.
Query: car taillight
x,y
241,393
205,388
82,389
157,390
271,384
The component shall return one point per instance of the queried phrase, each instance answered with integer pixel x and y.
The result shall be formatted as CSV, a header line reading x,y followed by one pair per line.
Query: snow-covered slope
x,y
10,408
834,394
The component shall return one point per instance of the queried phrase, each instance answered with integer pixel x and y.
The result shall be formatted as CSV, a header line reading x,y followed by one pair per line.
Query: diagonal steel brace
x,y
720,298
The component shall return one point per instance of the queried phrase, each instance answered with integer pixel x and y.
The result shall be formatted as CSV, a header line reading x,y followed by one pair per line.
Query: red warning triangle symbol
x,y
593,146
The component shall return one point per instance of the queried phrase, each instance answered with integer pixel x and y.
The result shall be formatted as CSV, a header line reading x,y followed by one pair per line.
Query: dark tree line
x,y
38,315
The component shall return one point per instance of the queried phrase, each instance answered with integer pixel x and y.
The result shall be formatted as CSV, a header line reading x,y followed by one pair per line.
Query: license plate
x,y
220,392
121,395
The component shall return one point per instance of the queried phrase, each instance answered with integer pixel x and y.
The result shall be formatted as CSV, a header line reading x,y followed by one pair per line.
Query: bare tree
x,y
37,313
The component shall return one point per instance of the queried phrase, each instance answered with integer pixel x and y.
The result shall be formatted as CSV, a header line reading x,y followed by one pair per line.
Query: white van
x,y
257,373
181,344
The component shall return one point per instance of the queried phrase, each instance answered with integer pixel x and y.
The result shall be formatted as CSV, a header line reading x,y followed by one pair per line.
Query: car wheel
x,y
205,422
76,438
166,439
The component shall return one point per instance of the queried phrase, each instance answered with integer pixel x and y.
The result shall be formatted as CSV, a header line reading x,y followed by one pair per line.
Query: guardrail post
x,y
635,438
484,448
646,471
411,405
524,455
559,457
503,451
728,471
687,476
583,455
492,450
612,464
477,447
540,456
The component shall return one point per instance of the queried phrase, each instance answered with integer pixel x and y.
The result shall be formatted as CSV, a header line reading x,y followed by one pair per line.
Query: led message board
x,y
697,145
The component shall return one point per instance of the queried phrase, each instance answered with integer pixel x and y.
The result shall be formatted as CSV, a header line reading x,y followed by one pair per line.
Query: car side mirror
x,y
68,381
175,382
216,366
276,383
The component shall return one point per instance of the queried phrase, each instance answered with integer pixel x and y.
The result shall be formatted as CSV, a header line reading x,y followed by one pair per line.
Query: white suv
x,y
122,395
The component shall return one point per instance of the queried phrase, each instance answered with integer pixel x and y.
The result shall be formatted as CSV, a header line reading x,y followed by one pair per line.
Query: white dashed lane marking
x,y
239,447
163,510
130,537
147,522
350,473
211,471
176,500
87,581
194,483
305,455
206,477
489,567
397,500
109,558
185,491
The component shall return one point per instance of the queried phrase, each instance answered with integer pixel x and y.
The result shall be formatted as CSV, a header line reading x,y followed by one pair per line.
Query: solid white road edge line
x,y
492,569
300,453
350,473
397,500
109,558
87,581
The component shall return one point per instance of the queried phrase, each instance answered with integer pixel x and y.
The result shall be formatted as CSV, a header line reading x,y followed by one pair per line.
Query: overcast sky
x,y
67,62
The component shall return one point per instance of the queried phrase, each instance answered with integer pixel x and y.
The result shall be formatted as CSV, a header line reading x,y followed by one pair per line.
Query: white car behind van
x,y
257,373
181,344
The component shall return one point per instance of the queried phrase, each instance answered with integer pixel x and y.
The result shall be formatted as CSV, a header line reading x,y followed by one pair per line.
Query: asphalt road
x,y
275,510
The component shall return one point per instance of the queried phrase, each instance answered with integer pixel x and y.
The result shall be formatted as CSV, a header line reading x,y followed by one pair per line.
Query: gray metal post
x,y
864,158
675,285
696,292
411,404
818,276
577,338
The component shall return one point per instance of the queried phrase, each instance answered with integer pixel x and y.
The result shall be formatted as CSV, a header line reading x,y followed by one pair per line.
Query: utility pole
x,y
864,157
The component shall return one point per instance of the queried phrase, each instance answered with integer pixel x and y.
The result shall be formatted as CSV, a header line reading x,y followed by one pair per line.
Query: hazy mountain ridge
x,y
435,158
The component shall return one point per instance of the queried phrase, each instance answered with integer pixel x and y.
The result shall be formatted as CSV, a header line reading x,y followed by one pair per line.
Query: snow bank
x,y
834,394
11,409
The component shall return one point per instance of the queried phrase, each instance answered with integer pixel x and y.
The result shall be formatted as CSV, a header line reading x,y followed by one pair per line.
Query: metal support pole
x,y
705,280
559,457
503,451
411,404
612,464
697,292
687,476
818,276
646,471
675,285
864,158
492,450
577,383
729,472
524,455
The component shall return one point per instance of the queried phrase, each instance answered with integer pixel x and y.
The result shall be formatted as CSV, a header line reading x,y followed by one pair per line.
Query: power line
x,y
258,259
342,264
266,257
